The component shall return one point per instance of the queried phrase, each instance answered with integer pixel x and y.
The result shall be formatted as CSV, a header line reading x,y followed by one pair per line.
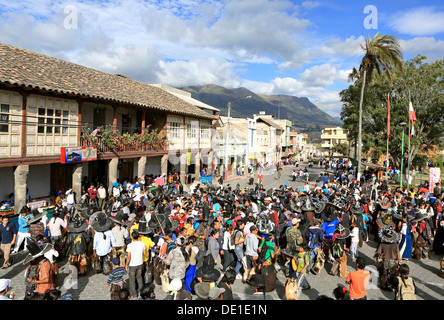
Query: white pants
x,y
20,237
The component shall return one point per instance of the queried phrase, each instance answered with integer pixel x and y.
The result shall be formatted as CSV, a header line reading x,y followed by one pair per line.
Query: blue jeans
x,y
239,255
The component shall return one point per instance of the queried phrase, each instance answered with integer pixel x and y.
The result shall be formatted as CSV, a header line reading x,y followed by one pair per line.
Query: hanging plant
x,y
109,138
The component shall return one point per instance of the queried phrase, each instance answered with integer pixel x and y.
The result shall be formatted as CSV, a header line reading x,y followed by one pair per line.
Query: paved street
x,y
92,287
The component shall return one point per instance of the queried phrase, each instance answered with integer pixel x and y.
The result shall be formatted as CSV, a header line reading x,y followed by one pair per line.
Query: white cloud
x,y
310,4
423,21
428,46
344,48
198,72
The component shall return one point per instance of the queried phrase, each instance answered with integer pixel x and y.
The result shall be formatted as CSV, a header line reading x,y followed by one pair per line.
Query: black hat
x,y
37,215
356,208
120,217
100,222
385,221
157,221
35,250
308,205
388,235
258,281
143,226
341,232
207,272
329,214
265,226
77,224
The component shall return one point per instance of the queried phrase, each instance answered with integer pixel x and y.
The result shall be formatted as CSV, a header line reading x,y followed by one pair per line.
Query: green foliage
x,y
425,83
341,148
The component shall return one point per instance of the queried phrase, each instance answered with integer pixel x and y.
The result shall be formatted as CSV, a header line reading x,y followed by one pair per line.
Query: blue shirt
x,y
7,232
23,227
329,228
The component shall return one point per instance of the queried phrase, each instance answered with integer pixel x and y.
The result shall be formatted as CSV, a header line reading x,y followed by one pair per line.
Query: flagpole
x,y
388,134
408,154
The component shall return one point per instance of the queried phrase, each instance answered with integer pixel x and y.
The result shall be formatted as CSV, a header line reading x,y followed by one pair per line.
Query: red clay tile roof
x,y
26,68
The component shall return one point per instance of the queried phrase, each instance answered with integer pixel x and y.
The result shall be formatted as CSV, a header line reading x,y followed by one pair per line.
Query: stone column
x,y
197,166
164,164
112,173
141,165
20,185
77,175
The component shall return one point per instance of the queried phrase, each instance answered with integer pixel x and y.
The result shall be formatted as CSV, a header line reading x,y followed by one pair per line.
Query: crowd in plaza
x,y
195,242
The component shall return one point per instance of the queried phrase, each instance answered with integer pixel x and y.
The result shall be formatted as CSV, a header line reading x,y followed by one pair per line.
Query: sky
x,y
300,48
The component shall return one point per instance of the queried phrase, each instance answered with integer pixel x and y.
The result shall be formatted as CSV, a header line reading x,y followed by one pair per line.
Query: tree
x,y
425,83
341,148
383,55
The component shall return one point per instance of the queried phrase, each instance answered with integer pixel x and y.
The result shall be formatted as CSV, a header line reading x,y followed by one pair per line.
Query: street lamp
x,y
402,124
228,135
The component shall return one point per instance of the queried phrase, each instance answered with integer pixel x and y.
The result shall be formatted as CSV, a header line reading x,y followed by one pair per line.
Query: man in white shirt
x,y
251,249
69,200
55,226
134,262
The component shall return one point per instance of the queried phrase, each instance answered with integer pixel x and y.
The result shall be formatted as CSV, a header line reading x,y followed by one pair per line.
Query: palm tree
x,y
382,54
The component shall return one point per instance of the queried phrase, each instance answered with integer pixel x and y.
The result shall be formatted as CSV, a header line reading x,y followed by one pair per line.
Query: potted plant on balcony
x,y
150,137
109,138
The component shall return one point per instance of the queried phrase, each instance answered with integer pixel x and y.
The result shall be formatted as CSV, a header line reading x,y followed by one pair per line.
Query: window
x,y
192,130
205,133
174,129
50,121
4,118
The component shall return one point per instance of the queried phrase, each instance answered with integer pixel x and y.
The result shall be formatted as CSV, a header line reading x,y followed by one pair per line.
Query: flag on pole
x,y
388,116
412,117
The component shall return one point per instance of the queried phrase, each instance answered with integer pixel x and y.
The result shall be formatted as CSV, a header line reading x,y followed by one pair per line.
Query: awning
x,y
250,156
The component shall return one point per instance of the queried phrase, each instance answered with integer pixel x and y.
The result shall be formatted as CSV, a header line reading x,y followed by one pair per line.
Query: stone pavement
x,y
92,286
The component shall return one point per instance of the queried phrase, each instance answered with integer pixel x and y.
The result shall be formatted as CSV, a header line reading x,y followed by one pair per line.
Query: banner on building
x,y
434,177
188,158
78,154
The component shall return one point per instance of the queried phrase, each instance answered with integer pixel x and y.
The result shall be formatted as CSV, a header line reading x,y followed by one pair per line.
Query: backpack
x,y
233,237
406,289
337,250
312,240
170,246
264,250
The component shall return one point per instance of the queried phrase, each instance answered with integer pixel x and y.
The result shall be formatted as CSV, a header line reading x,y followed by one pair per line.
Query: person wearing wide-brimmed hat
x,y
121,235
338,250
40,279
77,243
104,242
359,220
387,255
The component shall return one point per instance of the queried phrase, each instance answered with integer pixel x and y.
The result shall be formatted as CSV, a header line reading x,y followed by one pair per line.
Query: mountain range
x,y
305,116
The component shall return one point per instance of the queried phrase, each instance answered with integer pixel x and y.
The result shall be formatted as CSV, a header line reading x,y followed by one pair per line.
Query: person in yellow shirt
x,y
144,231
189,226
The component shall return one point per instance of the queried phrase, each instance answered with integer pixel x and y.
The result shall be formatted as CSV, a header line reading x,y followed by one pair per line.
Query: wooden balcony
x,y
122,144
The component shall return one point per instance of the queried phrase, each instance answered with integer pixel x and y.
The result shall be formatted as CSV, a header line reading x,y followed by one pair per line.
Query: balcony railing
x,y
127,143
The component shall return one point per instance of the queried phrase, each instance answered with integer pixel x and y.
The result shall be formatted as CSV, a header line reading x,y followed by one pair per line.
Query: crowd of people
x,y
196,243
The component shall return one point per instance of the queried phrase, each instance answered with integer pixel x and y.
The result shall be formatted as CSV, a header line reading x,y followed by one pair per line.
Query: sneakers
x,y
238,276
